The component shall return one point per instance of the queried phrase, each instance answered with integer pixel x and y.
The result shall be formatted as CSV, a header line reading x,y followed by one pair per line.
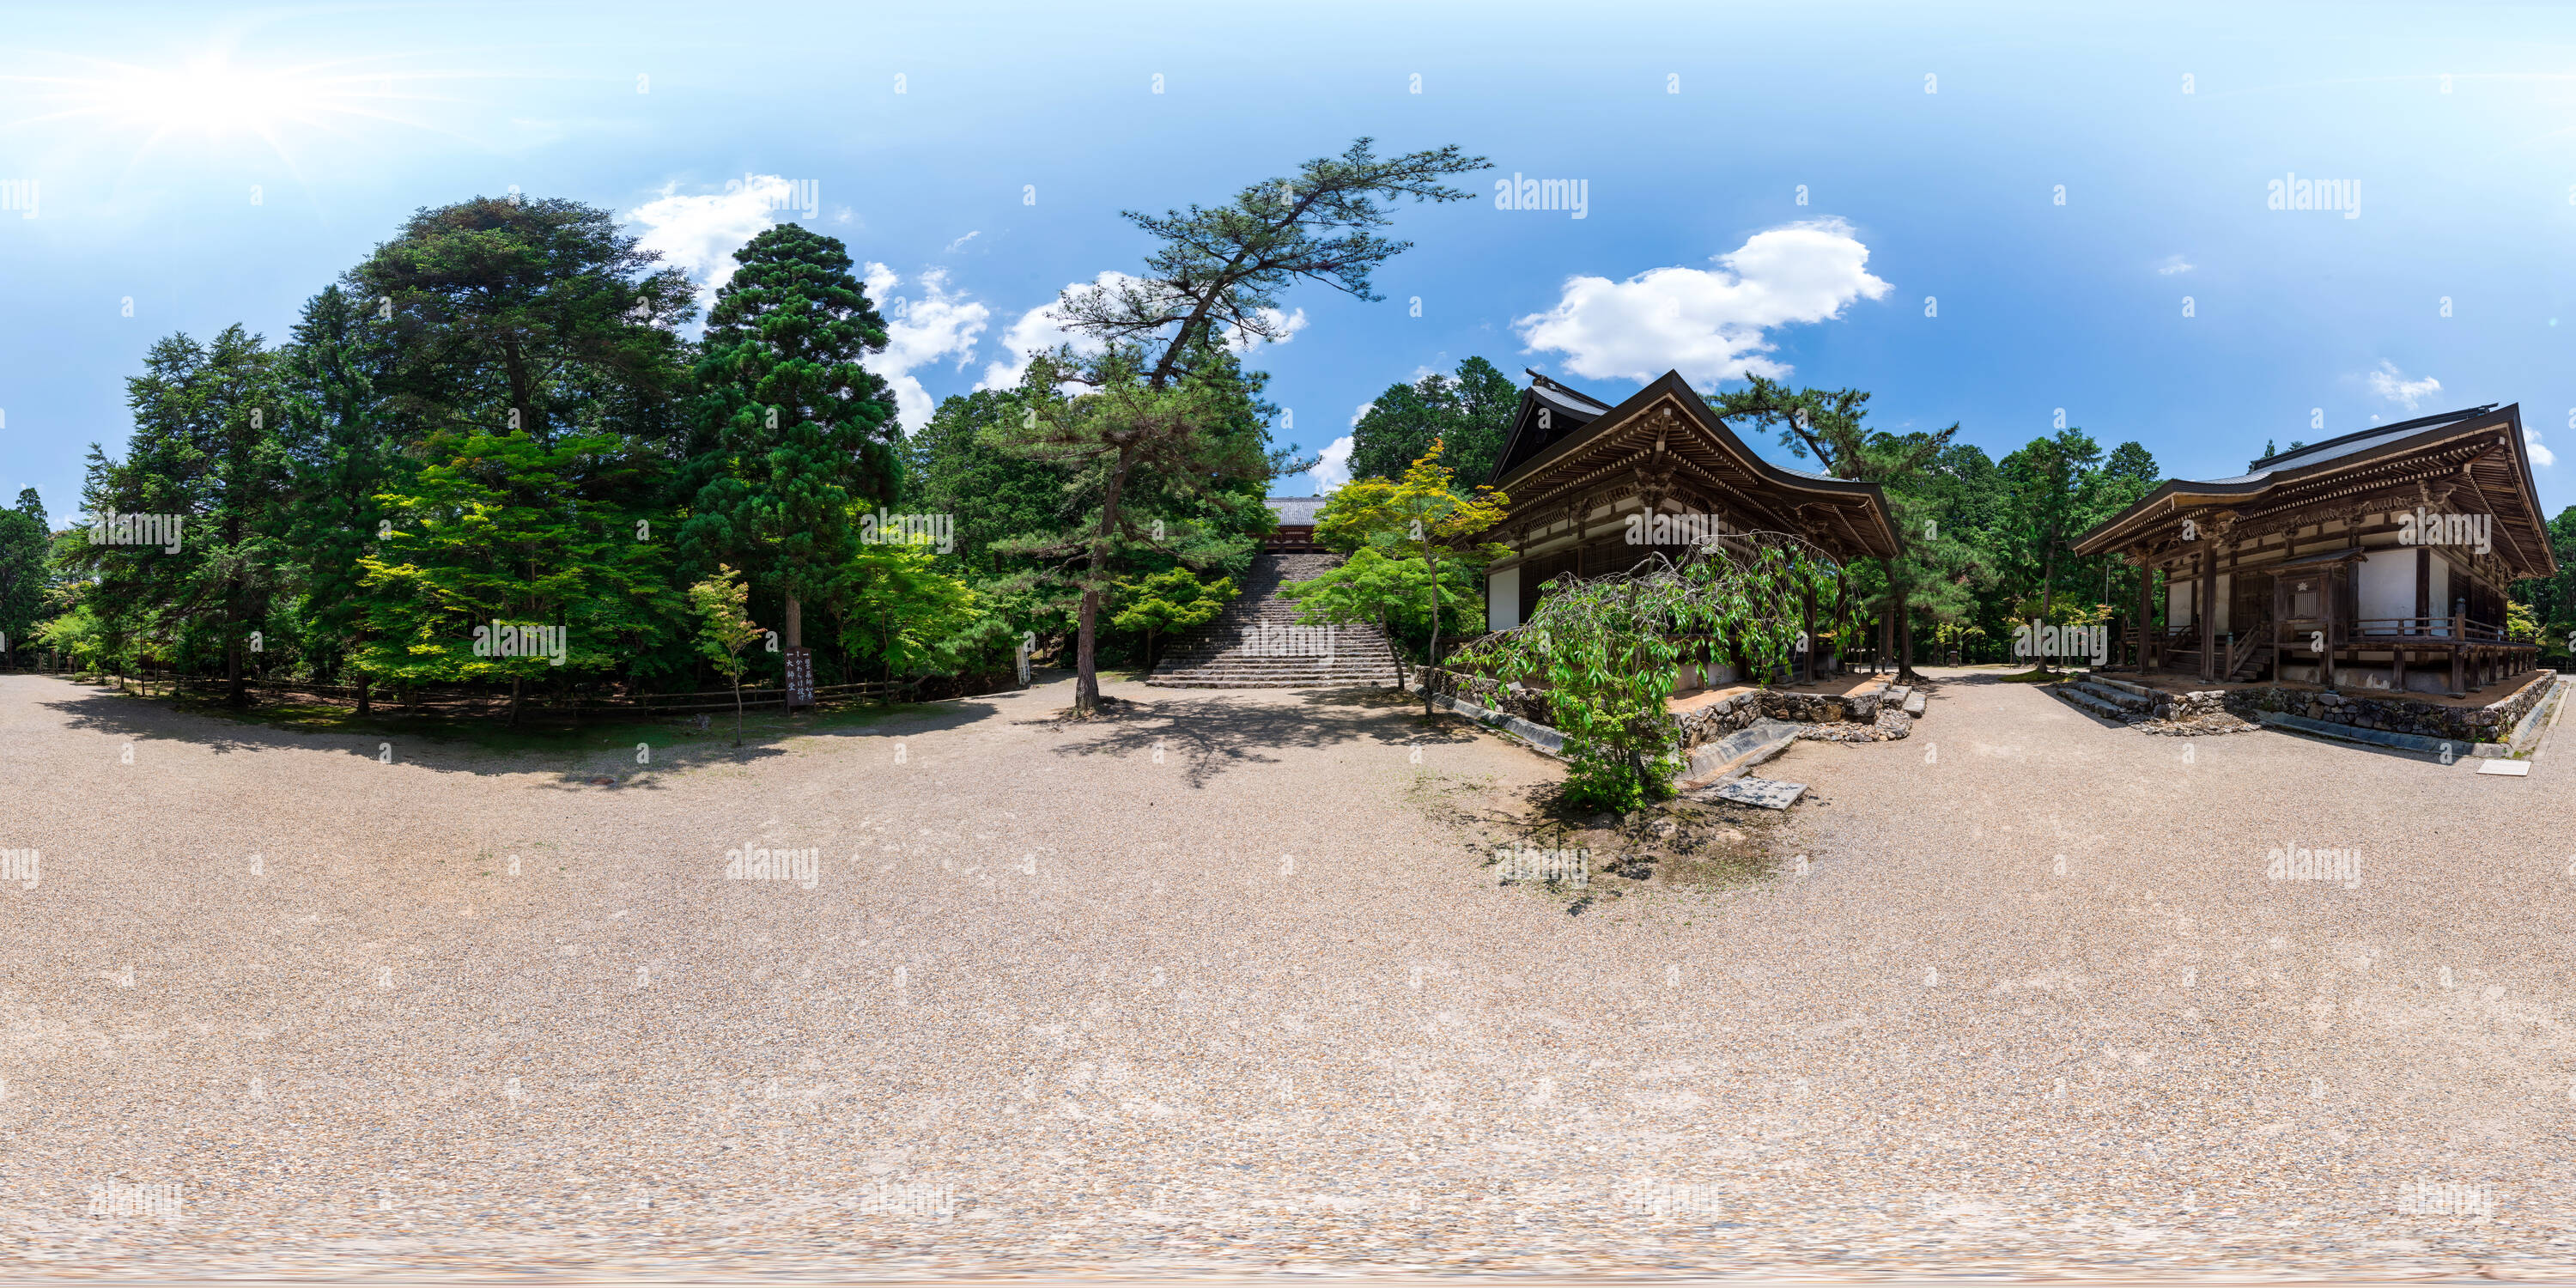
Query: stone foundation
x,y
2493,722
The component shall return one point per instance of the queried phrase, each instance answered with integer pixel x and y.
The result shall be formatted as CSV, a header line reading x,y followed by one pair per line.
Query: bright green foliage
x,y
1422,514
725,629
1167,601
503,531
792,434
953,467
1470,413
902,612
1610,649
2552,600
1391,592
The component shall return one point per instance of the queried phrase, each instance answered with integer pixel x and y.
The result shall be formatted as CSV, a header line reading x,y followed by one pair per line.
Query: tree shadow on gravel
x,y
605,751
1216,733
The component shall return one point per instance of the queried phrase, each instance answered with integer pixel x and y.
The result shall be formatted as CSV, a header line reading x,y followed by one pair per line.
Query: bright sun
x,y
213,97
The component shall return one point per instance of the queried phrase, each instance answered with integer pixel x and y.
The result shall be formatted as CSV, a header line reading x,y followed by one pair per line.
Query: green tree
x,y
508,314
953,467
2050,488
206,453
1167,601
1372,586
1935,570
793,433
342,457
725,629
25,546
1471,412
1422,514
1220,270
501,534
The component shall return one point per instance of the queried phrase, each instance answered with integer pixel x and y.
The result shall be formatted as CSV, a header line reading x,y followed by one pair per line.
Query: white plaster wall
x,y
1503,599
2388,584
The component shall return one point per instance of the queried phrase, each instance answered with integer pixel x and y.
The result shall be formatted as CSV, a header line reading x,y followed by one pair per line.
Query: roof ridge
x,y
2435,419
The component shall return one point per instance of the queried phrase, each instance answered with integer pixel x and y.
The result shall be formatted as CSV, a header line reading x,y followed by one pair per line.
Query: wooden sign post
x,y
800,678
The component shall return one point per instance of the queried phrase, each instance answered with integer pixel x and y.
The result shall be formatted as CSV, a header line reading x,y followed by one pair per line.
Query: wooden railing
x,y
2457,627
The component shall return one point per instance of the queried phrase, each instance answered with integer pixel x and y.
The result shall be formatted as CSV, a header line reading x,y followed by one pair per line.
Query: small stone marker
x,y
1914,705
1765,792
2509,768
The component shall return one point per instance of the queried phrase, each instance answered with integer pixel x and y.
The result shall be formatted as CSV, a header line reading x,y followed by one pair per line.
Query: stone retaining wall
x,y
2493,722
1858,712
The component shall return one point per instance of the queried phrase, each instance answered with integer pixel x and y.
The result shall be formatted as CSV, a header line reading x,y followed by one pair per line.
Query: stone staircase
x,y
1256,643
2110,699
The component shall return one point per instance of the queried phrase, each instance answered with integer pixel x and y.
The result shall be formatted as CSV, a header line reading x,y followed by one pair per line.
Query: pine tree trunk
x,y
362,694
1386,627
238,696
1086,683
1432,660
515,682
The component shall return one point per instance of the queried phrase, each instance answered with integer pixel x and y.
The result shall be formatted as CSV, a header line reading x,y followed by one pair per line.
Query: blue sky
x,y
996,177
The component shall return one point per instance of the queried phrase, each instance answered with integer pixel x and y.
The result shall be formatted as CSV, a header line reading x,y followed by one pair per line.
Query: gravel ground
x,y
1223,988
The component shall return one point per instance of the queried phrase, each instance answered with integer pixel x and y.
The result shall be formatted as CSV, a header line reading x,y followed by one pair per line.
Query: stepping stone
x,y
1748,790
2510,768
1914,704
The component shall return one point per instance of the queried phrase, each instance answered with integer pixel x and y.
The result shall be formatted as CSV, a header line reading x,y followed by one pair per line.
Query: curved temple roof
x,y
2472,455
1580,443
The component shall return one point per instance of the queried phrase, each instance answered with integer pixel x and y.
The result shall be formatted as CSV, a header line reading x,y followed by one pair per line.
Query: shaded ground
x,y
1231,984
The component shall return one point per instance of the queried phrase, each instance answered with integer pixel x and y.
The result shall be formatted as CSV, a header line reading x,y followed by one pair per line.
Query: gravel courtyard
x,y
1222,987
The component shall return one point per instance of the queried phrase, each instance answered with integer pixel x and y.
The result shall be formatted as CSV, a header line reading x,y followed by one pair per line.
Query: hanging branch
x,y
1609,649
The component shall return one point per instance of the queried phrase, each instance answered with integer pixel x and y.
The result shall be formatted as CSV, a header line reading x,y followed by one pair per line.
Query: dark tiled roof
x,y
1295,511
2352,444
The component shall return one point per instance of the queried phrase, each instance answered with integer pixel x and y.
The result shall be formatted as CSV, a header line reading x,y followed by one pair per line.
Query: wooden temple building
x,y
2376,560
1579,470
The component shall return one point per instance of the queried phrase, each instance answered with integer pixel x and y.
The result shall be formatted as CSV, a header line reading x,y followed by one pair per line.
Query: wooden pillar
x,y
1807,632
2330,605
2457,622
2205,599
2146,616
2399,652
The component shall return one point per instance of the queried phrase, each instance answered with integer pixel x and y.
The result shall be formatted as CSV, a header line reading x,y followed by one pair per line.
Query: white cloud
x,y
1709,323
2540,456
2391,385
2173,264
1333,468
1283,327
1039,329
698,235
954,246
920,332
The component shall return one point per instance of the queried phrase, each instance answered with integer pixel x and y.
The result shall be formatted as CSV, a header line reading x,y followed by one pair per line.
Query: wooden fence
x,y
465,702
